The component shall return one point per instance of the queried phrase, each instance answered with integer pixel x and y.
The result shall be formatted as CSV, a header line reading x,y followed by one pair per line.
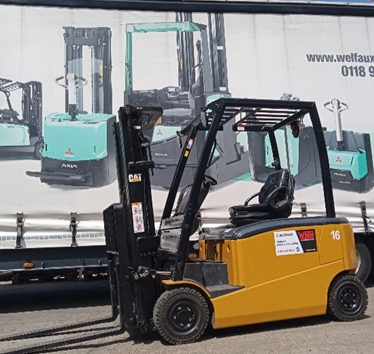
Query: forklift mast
x,y
32,106
218,52
135,250
99,41
186,54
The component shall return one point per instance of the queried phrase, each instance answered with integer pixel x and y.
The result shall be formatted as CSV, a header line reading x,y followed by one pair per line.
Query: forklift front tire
x,y
181,315
347,298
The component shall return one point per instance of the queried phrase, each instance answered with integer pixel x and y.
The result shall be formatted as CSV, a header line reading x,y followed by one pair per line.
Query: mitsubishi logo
x,y
338,159
69,152
159,132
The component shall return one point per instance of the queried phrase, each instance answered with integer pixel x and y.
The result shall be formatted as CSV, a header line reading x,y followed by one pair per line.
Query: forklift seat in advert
x,y
8,115
275,200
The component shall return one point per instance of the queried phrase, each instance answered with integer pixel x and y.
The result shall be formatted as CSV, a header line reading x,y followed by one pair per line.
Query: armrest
x,y
250,198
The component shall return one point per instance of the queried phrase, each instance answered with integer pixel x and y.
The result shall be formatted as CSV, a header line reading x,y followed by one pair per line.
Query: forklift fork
x,y
118,329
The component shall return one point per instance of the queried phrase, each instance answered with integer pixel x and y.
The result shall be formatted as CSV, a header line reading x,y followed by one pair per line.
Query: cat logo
x,y
136,177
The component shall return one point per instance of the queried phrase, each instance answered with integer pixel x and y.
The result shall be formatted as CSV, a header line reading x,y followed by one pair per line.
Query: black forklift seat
x,y
274,200
8,115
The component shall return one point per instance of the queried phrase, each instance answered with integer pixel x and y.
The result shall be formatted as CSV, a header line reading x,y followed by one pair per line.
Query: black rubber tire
x,y
181,315
38,150
363,260
347,299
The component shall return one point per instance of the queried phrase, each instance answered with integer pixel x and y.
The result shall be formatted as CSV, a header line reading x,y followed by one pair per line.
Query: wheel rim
x,y
350,299
358,261
184,317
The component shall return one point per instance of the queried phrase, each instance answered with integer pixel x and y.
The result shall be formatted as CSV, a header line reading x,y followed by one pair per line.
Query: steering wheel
x,y
210,180
172,91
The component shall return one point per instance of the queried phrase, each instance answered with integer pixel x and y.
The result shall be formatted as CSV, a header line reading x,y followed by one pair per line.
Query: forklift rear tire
x,y
347,298
181,315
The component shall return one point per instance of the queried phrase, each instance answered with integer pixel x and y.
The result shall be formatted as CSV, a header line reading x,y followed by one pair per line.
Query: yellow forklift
x,y
263,266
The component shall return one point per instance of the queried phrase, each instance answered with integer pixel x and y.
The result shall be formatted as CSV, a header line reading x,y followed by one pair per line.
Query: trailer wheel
x,y
347,298
363,260
181,315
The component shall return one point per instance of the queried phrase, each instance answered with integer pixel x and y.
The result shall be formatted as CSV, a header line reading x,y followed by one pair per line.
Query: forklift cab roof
x,y
253,115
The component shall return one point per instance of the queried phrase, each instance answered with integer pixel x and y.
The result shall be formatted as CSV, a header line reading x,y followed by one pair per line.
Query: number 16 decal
x,y
335,235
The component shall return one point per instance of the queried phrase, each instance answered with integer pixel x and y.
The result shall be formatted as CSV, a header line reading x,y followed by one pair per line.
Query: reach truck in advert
x,y
78,149
262,255
202,79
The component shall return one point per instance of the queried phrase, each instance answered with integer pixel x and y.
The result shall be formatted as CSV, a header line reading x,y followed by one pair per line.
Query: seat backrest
x,y
9,115
278,179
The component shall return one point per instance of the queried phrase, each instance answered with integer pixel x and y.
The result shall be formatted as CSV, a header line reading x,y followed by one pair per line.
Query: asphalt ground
x,y
37,306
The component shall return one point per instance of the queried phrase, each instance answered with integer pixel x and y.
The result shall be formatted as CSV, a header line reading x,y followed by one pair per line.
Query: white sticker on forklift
x,y
137,217
190,143
294,242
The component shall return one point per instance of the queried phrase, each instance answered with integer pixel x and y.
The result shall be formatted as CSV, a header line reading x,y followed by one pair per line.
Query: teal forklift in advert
x,y
350,155
21,132
201,80
79,149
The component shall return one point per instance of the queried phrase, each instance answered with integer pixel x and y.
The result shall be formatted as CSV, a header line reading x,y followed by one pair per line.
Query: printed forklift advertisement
x,y
64,73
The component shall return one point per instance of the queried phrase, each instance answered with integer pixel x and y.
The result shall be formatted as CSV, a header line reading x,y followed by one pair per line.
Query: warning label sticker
x,y
189,145
294,242
137,217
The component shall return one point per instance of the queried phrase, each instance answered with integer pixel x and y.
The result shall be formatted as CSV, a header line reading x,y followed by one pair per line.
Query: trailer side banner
x,y
65,72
